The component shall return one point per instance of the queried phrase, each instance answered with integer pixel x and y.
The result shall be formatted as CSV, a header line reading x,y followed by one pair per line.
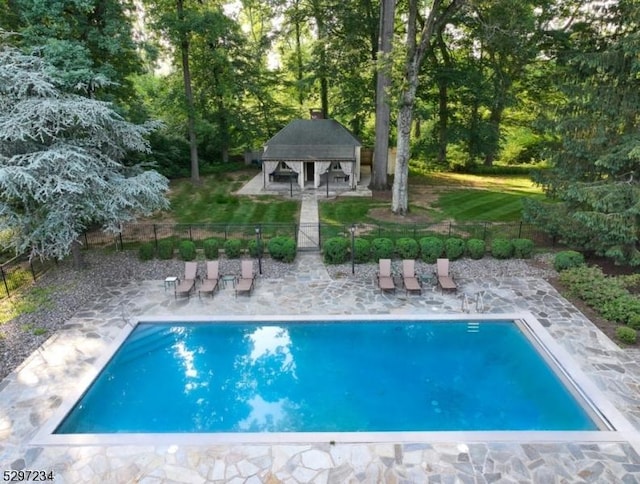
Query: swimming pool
x,y
267,379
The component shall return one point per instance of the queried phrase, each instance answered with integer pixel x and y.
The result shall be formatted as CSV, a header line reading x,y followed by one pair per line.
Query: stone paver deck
x,y
31,394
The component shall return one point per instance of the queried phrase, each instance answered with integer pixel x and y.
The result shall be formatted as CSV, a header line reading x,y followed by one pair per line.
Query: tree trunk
x,y
416,51
443,117
400,195
383,82
495,119
76,254
191,115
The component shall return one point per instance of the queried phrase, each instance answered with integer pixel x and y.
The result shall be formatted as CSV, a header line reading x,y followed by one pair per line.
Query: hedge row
x,y
608,296
336,250
280,248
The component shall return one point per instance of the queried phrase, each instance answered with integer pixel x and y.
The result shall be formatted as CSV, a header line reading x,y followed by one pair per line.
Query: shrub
x,y
501,248
254,249
211,248
335,250
431,248
454,248
522,248
622,309
146,251
476,248
362,250
567,259
187,250
592,286
627,335
407,248
634,321
232,248
165,249
282,248
382,248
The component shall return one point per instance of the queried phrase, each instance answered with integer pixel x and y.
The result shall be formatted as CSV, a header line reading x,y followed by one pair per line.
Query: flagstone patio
x,y
32,393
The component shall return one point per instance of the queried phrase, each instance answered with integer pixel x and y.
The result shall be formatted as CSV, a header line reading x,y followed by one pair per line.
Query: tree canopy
x,y
62,161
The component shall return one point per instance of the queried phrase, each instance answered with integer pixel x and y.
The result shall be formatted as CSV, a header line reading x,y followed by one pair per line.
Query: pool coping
x,y
620,429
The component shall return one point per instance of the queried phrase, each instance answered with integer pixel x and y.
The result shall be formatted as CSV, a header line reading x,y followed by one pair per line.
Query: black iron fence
x,y
134,234
20,271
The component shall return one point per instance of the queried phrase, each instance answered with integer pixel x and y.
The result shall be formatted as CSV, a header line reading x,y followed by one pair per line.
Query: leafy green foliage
x,y
592,286
382,248
454,248
282,248
165,249
335,250
407,248
232,248
431,248
362,250
187,250
146,251
476,248
501,248
567,259
522,248
627,335
211,248
255,248
624,309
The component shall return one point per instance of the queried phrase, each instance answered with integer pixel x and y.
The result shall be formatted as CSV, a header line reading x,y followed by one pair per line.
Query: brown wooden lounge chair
x,y
210,284
188,284
247,277
409,278
385,279
445,278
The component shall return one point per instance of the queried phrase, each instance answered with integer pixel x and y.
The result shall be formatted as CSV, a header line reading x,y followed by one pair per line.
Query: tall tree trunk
x,y
76,254
322,56
383,82
416,51
299,66
443,101
400,193
495,119
191,115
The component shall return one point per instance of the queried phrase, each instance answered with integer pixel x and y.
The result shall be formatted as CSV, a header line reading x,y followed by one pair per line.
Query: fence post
x,y
320,234
4,279
484,232
449,229
155,235
86,241
120,237
520,230
190,235
33,272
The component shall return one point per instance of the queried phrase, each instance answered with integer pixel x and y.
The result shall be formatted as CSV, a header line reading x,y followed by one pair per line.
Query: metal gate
x,y
308,237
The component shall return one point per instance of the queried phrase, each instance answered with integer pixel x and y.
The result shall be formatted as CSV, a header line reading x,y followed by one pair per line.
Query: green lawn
x,y
214,202
465,205
440,196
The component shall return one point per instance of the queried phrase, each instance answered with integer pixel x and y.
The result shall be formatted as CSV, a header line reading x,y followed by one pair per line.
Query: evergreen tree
x,y
62,166
596,173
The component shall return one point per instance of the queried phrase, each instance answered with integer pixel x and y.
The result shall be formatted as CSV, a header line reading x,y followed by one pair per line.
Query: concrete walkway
x,y
309,230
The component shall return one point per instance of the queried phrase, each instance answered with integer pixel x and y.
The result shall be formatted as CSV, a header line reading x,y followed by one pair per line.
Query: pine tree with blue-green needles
x,y
62,162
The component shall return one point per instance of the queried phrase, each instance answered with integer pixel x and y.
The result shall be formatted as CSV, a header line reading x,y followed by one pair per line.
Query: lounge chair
x,y
210,284
385,279
188,284
445,278
247,277
409,278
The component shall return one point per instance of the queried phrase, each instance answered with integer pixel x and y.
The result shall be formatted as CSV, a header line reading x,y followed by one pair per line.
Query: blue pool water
x,y
326,376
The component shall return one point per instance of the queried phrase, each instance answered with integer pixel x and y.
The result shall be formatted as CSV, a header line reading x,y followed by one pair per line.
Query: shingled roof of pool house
x,y
315,151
